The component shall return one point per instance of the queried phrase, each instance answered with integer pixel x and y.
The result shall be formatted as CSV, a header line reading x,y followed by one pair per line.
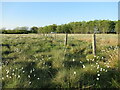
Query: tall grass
x,y
37,61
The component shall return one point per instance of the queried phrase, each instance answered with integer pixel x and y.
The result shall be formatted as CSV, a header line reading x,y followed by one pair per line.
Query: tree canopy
x,y
83,27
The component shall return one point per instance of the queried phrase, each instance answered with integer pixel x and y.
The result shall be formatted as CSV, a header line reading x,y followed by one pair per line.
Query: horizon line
x,y
56,24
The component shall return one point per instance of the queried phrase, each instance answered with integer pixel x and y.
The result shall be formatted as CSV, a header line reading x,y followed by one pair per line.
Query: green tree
x,y
34,29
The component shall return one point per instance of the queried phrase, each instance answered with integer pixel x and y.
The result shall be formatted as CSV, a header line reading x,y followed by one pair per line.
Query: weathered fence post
x,y
66,39
55,36
94,44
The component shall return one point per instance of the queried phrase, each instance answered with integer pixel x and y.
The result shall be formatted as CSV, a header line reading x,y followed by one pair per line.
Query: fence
x,y
93,42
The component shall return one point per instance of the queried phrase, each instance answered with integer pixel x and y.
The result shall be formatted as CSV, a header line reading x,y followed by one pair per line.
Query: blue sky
x,y
45,13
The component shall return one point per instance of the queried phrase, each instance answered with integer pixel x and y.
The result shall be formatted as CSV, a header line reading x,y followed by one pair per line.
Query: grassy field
x,y
40,61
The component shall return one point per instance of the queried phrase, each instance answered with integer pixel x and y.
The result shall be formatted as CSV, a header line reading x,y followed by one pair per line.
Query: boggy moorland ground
x,y
41,61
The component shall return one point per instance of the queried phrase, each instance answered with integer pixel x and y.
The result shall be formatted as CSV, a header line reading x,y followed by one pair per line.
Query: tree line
x,y
83,27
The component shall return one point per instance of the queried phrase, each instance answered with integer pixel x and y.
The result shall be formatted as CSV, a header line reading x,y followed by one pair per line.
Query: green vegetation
x,y
101,26
42,61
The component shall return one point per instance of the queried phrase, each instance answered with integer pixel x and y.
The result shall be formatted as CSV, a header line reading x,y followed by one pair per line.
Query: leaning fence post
x,y
94,44
66,39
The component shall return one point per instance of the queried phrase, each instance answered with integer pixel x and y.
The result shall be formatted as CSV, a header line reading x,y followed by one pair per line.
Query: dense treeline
x,y
97,26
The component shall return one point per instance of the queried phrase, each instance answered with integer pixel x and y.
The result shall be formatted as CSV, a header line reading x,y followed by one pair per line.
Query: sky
x,y
60,0
30,14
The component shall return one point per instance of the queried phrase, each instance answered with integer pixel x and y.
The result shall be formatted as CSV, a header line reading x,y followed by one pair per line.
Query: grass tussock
x,y
38,61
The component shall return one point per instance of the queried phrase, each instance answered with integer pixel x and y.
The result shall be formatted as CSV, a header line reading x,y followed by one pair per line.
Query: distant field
x,y
40,61
111,39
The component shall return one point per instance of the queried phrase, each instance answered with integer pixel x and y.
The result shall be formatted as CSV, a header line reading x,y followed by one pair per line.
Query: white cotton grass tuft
x,y
2,78
22,68
73,59
28,76
98,74
97,78
10,77
98,67
101,69
23,71
80,61
108,66
96,63
33,69
102,58
94,56
13,74
97,71
97,57
29,82
87,59
83,66
30,71
7,75
74,72
18,76
7,72
93,59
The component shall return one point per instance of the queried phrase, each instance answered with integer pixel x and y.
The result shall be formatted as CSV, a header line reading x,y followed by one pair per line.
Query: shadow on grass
x,y
40,77
69,64
7,45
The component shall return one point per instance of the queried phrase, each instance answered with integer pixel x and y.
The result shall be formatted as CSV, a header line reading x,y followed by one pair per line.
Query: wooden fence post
x,y
55,36
66,39
94,44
